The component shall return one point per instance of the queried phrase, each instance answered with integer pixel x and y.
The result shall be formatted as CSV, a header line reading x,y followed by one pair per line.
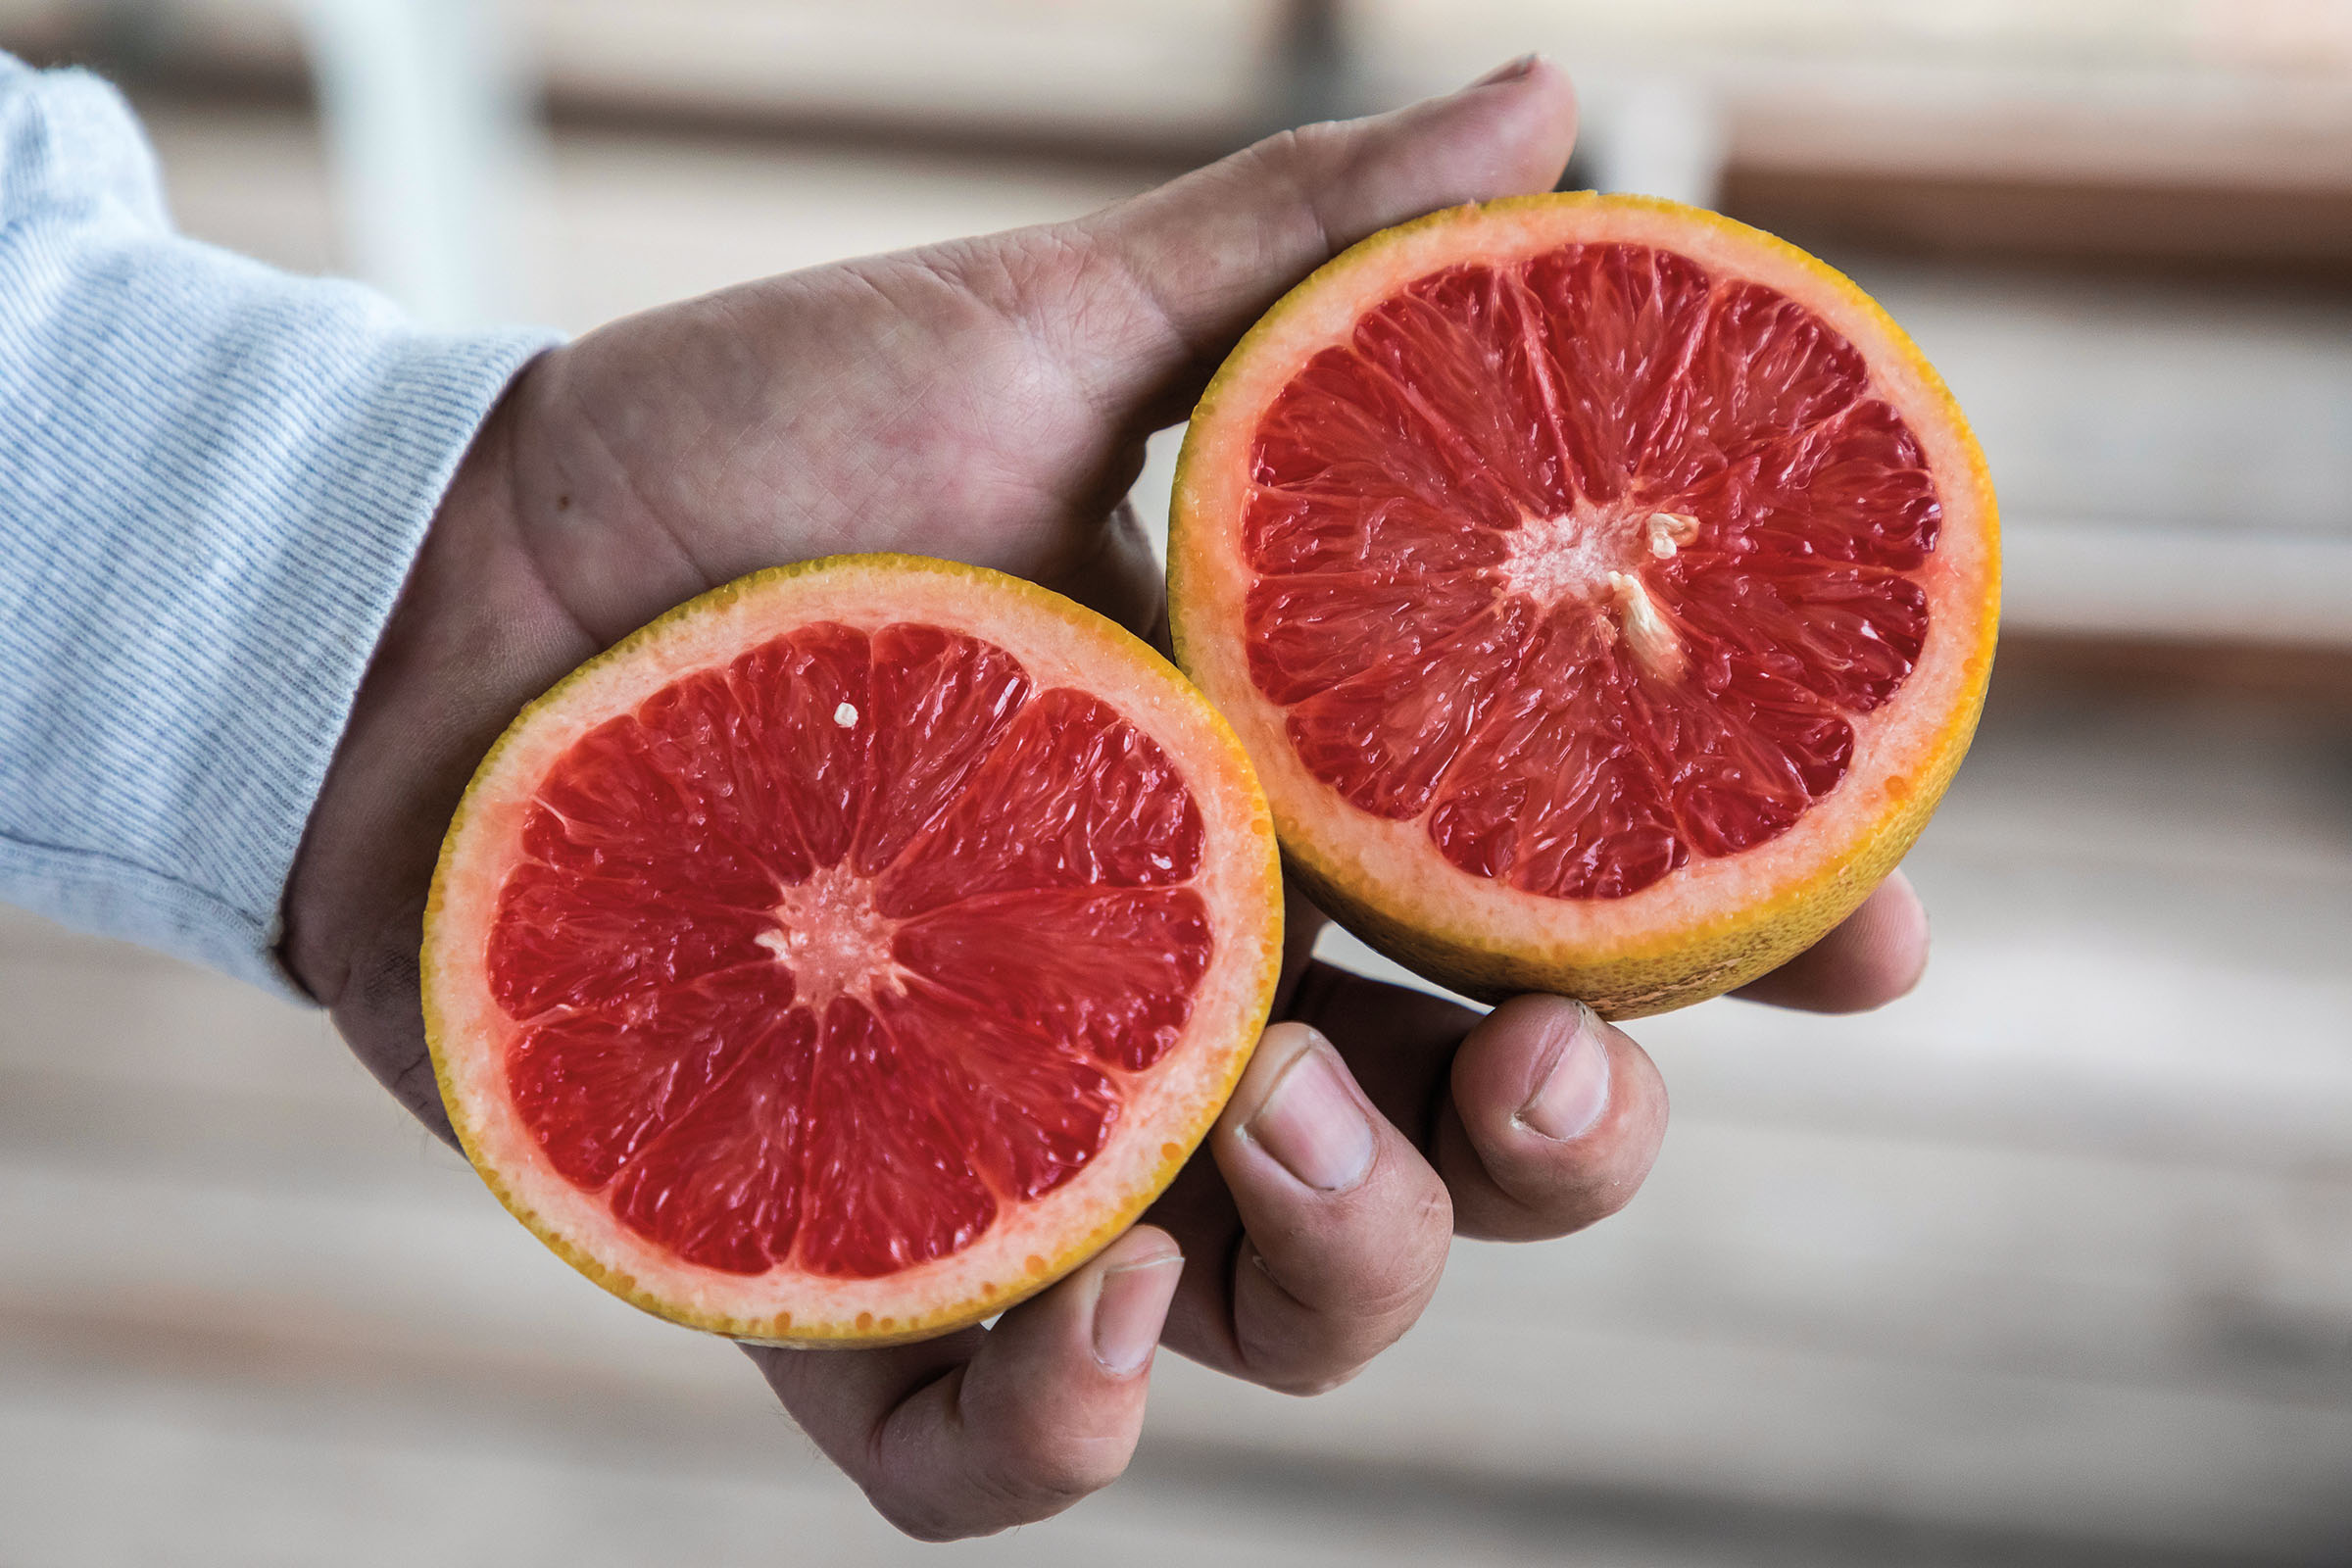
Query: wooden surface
x,y
2052,1261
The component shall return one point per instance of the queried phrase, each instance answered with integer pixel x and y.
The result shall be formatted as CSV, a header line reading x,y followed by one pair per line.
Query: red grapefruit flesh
x,y
852,952
1606,590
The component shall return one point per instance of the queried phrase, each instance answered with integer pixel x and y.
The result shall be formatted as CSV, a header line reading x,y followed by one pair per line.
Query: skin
x,y
988,400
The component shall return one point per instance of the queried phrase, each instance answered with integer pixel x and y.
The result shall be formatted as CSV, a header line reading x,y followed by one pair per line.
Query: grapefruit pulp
x,y
852,952
1606,590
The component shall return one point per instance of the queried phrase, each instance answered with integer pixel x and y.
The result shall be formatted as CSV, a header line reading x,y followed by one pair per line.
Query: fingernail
x,y
1508,71
1313,1125
1575,1088
1129,1311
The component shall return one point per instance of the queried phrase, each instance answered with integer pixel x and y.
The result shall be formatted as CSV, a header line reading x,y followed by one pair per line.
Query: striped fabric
x,y
213,479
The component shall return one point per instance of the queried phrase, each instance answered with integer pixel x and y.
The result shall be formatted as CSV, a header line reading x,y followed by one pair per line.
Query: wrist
x,y
468,635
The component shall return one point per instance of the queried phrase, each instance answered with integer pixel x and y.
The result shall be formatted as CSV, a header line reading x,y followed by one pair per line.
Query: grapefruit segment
x,y
719,1184
596,1087
1032,1119
1110,974
1073,797
777,706
1385,737
1315,631
886,1189
815,960
1562,562
950,698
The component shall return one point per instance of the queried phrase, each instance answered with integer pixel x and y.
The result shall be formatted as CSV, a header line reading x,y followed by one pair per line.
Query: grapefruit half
x,y
852,952
1604,589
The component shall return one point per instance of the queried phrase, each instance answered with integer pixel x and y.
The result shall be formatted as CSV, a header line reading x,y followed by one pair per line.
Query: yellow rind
x,y
1708,963
1701,961
981,1304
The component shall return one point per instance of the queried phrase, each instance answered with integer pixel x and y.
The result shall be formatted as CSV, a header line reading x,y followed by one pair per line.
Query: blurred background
x,y
2050,1263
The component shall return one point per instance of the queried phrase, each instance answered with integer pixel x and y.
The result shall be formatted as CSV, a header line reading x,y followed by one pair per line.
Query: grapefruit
x,y
1604,589
852,952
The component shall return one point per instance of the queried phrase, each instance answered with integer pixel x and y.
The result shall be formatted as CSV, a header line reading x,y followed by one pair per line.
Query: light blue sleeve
x,y
212,479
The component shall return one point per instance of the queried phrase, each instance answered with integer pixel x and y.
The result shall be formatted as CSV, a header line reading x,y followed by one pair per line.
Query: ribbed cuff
x,y
214,478
199,619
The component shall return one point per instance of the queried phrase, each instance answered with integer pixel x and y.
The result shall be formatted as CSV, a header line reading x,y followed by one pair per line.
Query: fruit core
x,y
1591,557
826,959
1590,564
833,939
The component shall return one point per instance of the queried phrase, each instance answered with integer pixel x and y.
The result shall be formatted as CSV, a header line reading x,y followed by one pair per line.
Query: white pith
x,y
1569,557
1654,646
834,941
1593,556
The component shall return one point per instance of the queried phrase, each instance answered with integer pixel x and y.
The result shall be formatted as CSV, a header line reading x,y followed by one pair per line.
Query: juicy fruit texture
x,y
732,932
1584,541
800,972
1460,570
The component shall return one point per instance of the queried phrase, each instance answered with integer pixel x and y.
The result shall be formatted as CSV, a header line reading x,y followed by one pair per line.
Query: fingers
x,y
985,1430
1553,1119
1119,576
1347,1167
1211,251
1539,1118
1877,954
1345,1227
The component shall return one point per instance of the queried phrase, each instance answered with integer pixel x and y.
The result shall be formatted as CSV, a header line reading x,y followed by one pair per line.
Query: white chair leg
x,y
1654,135
428,131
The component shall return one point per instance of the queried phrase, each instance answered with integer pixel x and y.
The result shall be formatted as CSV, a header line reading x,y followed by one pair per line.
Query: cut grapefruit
x,y
1604,589
852,952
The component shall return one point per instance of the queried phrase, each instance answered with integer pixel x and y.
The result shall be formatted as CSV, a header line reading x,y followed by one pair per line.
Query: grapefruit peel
x,y
1169,1110
1713,924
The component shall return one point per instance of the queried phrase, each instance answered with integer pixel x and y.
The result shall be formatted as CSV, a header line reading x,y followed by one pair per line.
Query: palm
x,y
917,401
988,400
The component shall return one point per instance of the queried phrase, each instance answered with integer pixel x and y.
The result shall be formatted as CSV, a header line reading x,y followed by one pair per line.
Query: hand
x,y
989,399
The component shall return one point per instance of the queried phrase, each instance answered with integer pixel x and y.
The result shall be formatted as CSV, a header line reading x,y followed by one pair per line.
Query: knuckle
x,y
1606,1197
918,1517
1042,1483
1041,1460
1307,1384
1325,1350
1566,1211
1433,1222
1275,153
1385,1304
1335,1306
1307,1361
999,1493
1301,164
1310,146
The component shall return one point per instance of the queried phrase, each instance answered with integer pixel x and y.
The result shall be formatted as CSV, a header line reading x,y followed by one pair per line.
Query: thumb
x,y
1212,251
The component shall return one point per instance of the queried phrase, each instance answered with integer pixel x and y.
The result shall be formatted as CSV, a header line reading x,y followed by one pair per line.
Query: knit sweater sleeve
x,y
214,477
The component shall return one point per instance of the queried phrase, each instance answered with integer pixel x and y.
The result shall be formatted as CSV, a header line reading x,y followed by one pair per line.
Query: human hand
x,y
988,400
